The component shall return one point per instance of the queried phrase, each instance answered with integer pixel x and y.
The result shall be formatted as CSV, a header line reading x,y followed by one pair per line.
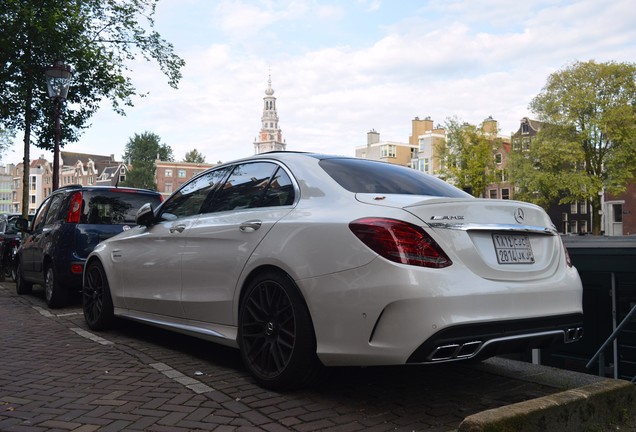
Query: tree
x,y
141,153
194,156
467,157
99,38
588,143
5,139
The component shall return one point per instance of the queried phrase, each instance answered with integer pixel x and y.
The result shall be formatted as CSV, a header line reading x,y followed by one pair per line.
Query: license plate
x,y
513,249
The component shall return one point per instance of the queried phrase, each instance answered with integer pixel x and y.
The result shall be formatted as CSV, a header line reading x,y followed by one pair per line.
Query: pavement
x,y
56,375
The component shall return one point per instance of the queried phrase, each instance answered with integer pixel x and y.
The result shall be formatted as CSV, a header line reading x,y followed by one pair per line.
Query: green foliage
x,y
99,38
6,136
467,157
194,156
589,142
141,153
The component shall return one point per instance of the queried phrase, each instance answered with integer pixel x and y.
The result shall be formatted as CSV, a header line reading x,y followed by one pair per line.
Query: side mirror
x,y
22,224
145,215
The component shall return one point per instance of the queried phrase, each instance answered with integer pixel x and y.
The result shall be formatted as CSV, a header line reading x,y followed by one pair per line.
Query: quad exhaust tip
x,y
459,351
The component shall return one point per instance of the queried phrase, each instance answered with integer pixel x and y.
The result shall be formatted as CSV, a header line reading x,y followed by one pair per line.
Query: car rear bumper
x,y
386,313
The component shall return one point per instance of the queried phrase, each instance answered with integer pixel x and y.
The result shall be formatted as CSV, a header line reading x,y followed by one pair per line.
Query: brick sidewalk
x,y
55,375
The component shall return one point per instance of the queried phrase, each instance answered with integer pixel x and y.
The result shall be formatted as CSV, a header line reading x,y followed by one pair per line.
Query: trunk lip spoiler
x,y
494,227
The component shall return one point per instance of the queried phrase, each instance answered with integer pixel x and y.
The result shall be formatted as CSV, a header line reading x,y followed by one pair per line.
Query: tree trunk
x,y
597,215
27,157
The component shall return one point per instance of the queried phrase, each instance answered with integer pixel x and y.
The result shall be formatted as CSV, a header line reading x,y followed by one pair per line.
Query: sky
x,y
340,68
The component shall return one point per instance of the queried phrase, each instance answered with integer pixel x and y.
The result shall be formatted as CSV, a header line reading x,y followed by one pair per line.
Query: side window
x,y
38,220
189,200
52,215
244,188
280,191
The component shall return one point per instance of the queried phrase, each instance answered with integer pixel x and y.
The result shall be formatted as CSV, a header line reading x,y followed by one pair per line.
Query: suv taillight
x,y
75,210
400,242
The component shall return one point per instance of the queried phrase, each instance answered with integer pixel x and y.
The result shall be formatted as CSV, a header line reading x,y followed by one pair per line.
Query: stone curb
x,y
587,408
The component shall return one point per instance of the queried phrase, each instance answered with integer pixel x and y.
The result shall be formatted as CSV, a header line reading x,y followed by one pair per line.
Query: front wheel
x,y
54,293
276,335
96,300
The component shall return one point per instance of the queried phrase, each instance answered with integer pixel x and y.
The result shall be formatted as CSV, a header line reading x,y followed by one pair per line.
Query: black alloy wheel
x,y
97,302
276,335
21,286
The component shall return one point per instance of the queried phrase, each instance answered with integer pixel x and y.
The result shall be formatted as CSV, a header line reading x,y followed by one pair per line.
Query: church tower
x,y
271,136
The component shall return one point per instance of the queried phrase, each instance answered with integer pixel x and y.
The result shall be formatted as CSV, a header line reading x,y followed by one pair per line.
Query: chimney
x,y
373,137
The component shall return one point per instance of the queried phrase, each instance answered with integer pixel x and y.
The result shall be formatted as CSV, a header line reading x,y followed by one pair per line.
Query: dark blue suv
x,y
66,228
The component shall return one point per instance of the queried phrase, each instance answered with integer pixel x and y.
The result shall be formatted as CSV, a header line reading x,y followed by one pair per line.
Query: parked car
x,y
66,227
305,260
9,244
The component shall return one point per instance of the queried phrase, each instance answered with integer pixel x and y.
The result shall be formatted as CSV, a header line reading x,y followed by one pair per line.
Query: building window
x,y
182,173
574,226
492,194
618,212
168,173
33,183
389,151
525,128
32,199
498,158
505,193
167,188
574,207
584,207
426,165
525,143
584,227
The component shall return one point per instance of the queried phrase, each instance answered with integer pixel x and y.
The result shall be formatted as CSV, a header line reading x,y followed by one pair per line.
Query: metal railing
x,y
599,354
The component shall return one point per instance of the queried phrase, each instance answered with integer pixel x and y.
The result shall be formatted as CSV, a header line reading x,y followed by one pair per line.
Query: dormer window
x,y
525,128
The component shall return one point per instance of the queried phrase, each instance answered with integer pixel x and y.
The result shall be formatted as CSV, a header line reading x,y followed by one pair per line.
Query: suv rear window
x,y
114,207
366,176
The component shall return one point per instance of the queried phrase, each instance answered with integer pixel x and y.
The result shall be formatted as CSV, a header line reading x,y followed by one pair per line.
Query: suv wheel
x,y
54,293
21,286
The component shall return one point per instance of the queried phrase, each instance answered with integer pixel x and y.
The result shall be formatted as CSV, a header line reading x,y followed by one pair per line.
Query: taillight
x,y
75,210
77,268
400,242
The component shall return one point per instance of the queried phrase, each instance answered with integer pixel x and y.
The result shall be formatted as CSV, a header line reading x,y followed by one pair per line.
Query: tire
x,y
54,294
276,335
21,286
96,299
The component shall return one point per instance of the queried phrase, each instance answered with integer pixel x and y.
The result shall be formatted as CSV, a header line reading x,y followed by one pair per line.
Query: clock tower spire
x,y
271,136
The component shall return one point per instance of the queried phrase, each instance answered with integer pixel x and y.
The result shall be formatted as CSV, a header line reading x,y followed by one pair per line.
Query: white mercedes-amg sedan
x,y
303,261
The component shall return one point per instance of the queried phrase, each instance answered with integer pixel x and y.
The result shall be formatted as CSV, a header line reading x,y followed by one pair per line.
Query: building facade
x,y
169,176
271,135
428,140
387,151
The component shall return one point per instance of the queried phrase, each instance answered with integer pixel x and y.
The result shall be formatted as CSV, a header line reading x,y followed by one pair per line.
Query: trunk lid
x,y
495,239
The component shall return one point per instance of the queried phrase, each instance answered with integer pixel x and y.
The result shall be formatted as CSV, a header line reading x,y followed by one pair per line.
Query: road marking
x,y
43,312
91,336
191,383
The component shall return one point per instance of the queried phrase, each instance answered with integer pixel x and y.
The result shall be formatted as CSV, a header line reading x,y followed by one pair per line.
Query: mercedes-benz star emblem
x,y
519,217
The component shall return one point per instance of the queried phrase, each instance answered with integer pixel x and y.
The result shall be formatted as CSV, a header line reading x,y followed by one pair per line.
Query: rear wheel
x,y
276,336
96,299
21,286
54,293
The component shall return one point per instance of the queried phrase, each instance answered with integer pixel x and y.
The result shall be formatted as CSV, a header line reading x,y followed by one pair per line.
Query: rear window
x,y
365,176
114,207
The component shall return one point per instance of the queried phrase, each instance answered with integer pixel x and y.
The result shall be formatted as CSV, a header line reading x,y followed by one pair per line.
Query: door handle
x,y
178,228
250,226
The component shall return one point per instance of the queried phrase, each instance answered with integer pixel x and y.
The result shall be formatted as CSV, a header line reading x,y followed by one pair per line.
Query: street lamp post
x,y
58,80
